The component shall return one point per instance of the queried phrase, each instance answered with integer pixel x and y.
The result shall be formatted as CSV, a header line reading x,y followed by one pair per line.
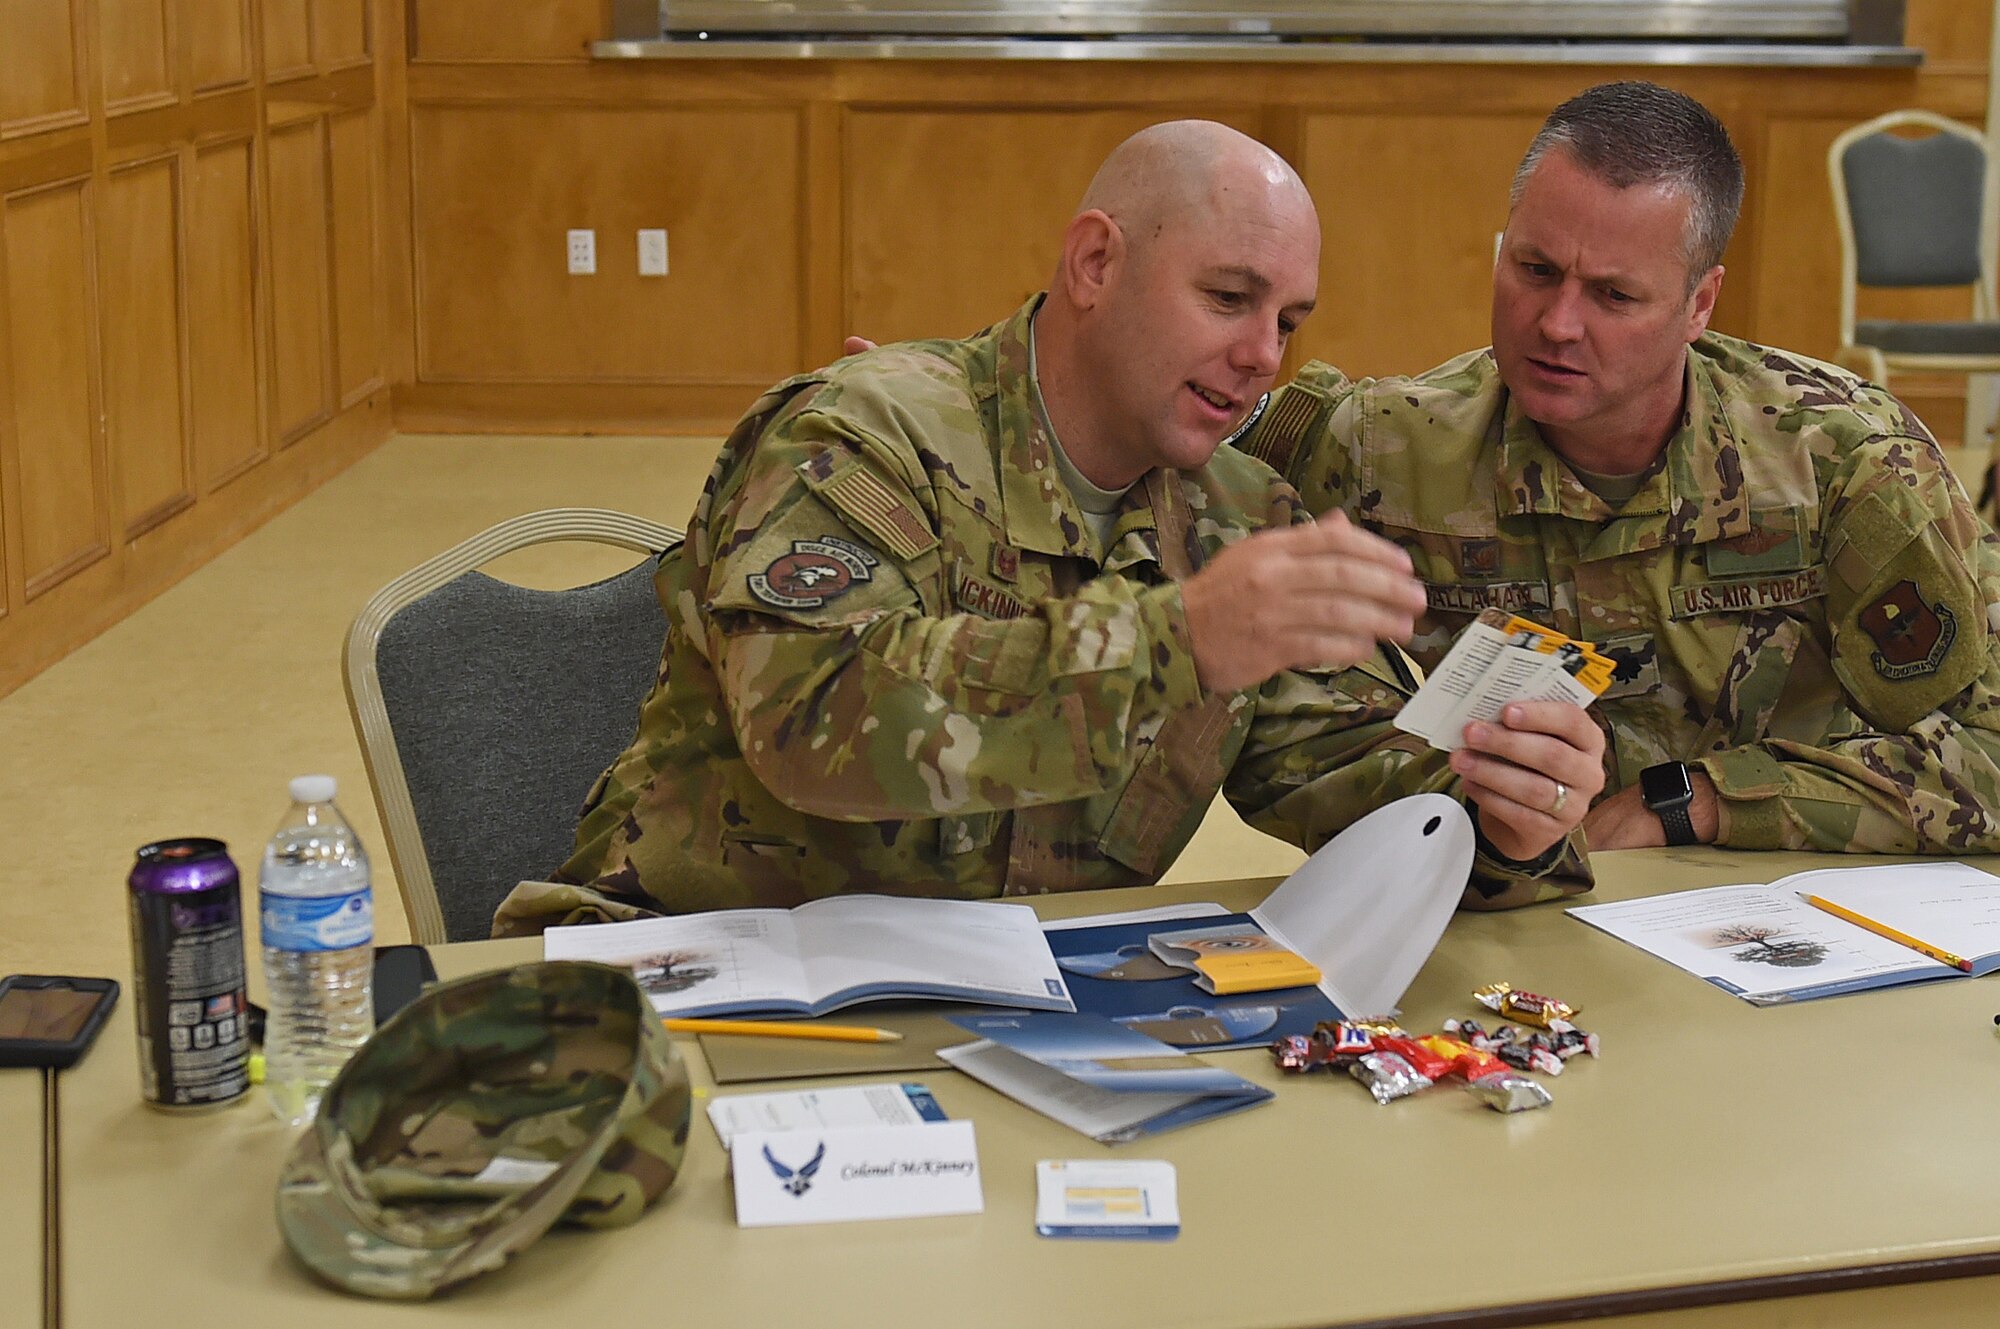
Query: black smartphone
x,y
400,974
49,1021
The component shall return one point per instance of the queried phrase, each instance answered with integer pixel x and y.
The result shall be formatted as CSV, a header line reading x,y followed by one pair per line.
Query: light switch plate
x,y
652,253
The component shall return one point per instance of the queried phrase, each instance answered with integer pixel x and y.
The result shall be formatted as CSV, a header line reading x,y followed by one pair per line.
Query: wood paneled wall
x,y
805,199
192,298
232,230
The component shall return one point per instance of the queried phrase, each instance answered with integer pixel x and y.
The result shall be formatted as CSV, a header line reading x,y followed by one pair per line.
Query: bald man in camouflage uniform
x,y
1802,601
915,647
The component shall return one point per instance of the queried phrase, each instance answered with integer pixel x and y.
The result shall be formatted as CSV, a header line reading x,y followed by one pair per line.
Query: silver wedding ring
x,y
1562,797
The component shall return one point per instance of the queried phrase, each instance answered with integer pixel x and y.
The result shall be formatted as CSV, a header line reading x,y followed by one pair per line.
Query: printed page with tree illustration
x,y
1763,943
827,954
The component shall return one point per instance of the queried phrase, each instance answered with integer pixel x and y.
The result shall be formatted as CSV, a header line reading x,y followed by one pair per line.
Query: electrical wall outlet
x,y
652,253
582,253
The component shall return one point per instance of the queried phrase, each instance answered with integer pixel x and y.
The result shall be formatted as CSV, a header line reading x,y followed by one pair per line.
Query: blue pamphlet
x,y
1112,972
1096,1076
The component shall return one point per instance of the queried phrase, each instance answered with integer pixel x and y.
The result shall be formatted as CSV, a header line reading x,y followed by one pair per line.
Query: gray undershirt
x,y
1617,490
1099,506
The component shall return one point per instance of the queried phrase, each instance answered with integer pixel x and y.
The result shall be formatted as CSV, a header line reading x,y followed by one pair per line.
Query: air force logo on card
x,y
797,1180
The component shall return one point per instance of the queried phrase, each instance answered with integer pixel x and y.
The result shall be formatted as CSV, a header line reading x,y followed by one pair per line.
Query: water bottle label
x,y
317,922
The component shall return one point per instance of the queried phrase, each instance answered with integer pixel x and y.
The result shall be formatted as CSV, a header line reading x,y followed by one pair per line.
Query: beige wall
x,y
192,313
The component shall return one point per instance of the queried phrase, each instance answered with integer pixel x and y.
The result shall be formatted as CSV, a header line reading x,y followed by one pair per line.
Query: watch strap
x,y
1680,826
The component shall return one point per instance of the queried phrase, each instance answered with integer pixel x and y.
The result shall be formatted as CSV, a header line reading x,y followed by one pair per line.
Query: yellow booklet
x,y
1232,959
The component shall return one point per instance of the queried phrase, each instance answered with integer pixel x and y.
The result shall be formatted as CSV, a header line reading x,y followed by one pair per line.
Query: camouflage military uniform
x,y
1802,602
896,661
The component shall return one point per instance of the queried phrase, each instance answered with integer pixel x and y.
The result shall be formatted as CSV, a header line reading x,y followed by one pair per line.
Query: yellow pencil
x,y
1883,930
837,1033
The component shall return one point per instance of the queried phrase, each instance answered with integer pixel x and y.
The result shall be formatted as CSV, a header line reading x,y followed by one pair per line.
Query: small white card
x,y
1498,659
848,1107
840,1176
1131,1199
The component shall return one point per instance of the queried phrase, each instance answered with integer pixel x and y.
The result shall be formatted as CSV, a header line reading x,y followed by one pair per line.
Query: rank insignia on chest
x,y
1479,558
1911,637
815,572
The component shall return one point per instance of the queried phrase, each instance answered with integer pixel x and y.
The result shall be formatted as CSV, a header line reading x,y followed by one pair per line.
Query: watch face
x,y
1665,785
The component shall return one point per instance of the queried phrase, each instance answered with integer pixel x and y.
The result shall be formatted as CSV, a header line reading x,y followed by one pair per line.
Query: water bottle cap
x,y
312,788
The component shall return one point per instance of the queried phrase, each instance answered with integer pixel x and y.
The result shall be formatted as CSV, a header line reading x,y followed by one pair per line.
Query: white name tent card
x,y
841,1176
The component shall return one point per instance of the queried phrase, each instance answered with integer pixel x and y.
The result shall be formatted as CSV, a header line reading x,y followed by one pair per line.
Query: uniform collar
x,y
1695,493
1038,510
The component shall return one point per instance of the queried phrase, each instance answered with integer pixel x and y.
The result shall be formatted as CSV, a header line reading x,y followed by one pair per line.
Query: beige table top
x,y
20,1196
1716,1147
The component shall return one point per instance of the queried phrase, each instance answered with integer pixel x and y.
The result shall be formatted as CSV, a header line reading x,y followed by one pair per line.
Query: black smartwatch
x,y
1668,792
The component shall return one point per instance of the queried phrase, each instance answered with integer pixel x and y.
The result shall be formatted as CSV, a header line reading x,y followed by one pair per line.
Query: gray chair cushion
x,y
1915,208
1909,338
507,703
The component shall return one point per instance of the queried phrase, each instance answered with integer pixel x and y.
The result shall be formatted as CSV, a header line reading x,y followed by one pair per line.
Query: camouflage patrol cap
x,y
486,1111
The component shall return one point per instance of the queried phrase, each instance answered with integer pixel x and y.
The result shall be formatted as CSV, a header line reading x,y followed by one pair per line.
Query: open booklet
x,y
827,954
1821,933
1366,910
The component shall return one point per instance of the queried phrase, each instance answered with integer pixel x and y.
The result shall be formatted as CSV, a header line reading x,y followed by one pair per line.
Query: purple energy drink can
x,y
187,957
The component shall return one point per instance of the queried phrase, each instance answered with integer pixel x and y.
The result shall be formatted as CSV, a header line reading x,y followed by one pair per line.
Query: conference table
x,y
1718,1155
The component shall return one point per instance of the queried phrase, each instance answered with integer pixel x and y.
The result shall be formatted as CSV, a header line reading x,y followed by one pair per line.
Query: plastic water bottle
x,y
318,918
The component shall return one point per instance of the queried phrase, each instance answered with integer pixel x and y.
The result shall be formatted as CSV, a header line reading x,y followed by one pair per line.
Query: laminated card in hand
x,y
1500,659
827,954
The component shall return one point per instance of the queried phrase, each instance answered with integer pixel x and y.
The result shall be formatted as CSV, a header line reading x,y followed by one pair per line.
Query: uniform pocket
x,y
771,869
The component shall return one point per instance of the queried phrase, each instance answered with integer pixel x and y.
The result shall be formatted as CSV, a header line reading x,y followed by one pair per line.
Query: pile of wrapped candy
x,y
1394,1064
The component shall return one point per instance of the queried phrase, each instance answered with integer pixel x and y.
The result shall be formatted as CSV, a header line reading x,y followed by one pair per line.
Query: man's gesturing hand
x,y
1532,775
1314,596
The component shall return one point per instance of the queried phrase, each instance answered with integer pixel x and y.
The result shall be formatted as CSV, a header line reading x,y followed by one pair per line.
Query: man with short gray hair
x,y
1800,598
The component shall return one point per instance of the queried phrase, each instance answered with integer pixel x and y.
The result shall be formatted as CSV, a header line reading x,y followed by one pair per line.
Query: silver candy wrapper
x,y
1508,1093
1388,1076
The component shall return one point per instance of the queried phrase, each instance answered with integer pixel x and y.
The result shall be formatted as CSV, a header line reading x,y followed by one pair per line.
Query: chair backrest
x,y
1911,211
485,709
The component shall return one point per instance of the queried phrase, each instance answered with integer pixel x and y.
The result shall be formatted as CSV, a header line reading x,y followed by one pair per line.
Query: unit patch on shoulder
x,y
813,573
1911,638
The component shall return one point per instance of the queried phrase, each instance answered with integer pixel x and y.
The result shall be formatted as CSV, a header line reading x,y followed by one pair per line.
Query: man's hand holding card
x,y
1507,702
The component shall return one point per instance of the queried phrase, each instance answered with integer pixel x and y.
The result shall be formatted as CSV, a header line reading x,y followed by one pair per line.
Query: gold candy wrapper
x,y
1524,1007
